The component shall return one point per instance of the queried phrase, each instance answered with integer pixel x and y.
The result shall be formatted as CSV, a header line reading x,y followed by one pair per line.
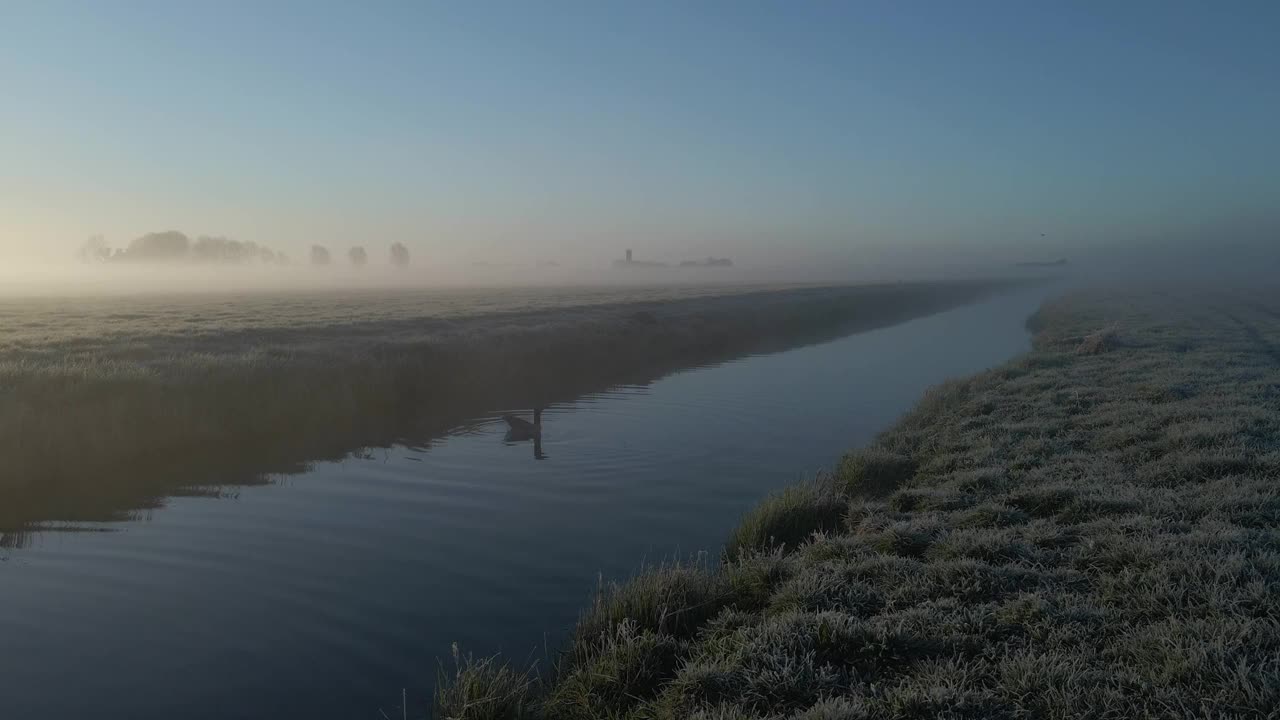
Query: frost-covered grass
x,y
1080,533
109,405
89,329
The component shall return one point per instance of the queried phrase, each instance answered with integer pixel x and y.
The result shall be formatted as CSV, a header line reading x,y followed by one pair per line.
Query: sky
x,y
820,134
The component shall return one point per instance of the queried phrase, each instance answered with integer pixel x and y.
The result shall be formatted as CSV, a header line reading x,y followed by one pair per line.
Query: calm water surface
x,y
323,594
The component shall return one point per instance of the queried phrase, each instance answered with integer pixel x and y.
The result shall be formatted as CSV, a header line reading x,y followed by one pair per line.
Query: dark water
x,y
322,595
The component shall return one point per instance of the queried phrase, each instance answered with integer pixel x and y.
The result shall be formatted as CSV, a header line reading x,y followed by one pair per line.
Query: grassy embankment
x,y
111,405
1092,530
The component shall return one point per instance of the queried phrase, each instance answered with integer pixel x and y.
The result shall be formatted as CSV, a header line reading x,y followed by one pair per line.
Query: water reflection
x,y
115,493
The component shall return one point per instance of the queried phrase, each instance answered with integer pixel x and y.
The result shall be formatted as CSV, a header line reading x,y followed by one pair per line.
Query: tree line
x,y
173,246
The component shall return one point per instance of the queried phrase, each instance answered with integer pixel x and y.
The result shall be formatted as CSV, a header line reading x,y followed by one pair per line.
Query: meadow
x,y
108,405
1090,530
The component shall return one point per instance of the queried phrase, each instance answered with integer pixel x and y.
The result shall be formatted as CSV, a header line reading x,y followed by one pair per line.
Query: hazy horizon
x,y
825,142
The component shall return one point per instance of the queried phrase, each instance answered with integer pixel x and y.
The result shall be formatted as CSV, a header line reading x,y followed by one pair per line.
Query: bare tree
x,y
399,255
94,250
319,255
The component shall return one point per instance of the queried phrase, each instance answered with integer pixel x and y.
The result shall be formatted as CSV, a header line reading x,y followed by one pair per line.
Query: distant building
x,y
630,262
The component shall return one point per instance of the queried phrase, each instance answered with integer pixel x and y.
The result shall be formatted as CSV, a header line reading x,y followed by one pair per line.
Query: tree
x,y
211,249
94,250
221,250
161,246
319,255
358,256
399,255
173,246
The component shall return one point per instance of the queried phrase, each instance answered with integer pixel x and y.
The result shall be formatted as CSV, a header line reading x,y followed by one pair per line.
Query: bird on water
x,y
521,429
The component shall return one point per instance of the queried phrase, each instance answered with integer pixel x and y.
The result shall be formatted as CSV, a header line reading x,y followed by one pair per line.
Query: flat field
x,y
150,329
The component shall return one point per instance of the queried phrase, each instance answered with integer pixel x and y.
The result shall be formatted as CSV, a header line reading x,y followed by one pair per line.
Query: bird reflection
x,y
519,430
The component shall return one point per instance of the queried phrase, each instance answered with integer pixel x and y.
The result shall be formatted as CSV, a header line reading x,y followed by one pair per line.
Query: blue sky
x,y
826,131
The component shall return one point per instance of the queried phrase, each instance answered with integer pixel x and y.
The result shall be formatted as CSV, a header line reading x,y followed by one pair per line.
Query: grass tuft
x,y
627,666
874,472
1097,342
484,689
673,599
787,519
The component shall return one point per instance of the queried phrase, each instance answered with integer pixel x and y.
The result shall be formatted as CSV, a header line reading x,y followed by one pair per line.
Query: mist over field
x,y
1204,256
